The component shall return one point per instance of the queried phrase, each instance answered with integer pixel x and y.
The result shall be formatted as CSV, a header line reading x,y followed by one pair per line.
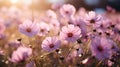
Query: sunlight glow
x,y
13,1
24,2
27,2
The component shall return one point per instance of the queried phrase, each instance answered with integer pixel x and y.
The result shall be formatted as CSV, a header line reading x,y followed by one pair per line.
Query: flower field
x,y
59,37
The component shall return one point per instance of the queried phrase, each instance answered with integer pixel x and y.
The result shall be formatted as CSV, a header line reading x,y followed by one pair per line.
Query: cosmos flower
x,y
51,14
70,33
14,13
29,28
101,48
54,24
67,10
114,46
93,18
44,28
81,24
50,44
21,54
56,6
105,24
81,12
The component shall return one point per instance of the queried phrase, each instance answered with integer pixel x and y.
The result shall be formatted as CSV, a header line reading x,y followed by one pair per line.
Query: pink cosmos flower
x,y
56,6
101,48
2,27
67,10
105,24
29,28
54,24
80,23
81,12
14,13
70,33
51,14
50,44
21,54
44,28
93,18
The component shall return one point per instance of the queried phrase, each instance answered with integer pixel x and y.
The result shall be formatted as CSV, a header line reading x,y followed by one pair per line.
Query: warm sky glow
x,y
26,2
13,1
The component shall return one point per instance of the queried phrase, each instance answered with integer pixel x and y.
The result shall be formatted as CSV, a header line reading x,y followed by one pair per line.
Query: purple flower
x,y
44,28
114,46
67,10
70,33
79,22
93,18
101,48
50,44
21,54
105,24
28,28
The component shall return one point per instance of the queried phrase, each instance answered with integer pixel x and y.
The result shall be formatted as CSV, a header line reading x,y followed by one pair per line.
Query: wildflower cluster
x,y
59,37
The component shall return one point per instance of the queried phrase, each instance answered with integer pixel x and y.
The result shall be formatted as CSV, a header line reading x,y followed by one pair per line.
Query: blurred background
x,y
45,4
